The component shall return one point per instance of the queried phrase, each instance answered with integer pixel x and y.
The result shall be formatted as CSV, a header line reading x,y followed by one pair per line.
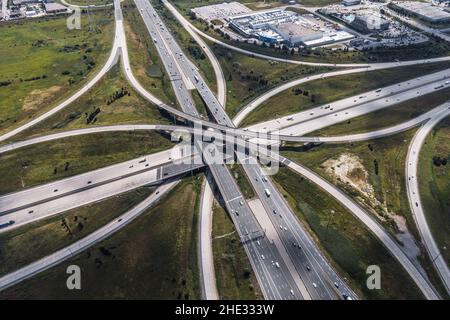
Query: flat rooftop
x,y
424,9
221,11
295,29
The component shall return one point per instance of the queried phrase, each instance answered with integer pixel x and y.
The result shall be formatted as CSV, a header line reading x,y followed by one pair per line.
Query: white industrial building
x,y
423,10
351,2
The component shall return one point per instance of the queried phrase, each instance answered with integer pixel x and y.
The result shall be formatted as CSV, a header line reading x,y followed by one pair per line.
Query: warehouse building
x,y
348,3
294,34
423,10
54,8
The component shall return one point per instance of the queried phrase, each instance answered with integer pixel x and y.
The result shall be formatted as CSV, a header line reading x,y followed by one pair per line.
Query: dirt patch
x,y
38,97
349,170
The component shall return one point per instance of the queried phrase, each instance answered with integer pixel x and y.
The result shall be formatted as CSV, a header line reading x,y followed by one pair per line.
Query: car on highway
x,y
7,224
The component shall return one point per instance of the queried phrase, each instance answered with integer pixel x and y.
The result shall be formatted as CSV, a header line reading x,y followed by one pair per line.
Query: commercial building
x,y
423,10
250,24
24,2
369,23
54,8
351,2
220,11
295,34
286,27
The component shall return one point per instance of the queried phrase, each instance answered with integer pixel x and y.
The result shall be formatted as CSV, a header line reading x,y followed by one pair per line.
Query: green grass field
x,y
234,274
154,257
116,100
351,247
248,77
144,59
43,63
29,243
335,88
385,118
435,185
36,164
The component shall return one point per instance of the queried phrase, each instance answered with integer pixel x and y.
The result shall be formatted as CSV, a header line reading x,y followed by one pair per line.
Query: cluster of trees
x,y
195,52
5,83
44,76
117,95
298,91
39,43
438,161
70,48
92,117
88,61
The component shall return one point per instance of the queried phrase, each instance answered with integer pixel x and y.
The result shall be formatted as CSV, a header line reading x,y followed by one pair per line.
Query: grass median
x,y
234,275
247,77
144,59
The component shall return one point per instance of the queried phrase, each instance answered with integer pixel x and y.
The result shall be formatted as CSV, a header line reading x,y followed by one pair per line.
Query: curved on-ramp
x,y
415,203
422,283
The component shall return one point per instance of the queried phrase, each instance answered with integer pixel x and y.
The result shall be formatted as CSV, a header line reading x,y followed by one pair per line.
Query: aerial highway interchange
x,y
288,263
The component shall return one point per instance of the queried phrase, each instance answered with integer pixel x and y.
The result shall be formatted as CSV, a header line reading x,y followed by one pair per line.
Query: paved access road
x,y
205,250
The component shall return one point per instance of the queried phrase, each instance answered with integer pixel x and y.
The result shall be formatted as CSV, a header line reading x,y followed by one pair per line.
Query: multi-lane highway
x,y
320,282
220,78
325,115
275,280
86,242
41,202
